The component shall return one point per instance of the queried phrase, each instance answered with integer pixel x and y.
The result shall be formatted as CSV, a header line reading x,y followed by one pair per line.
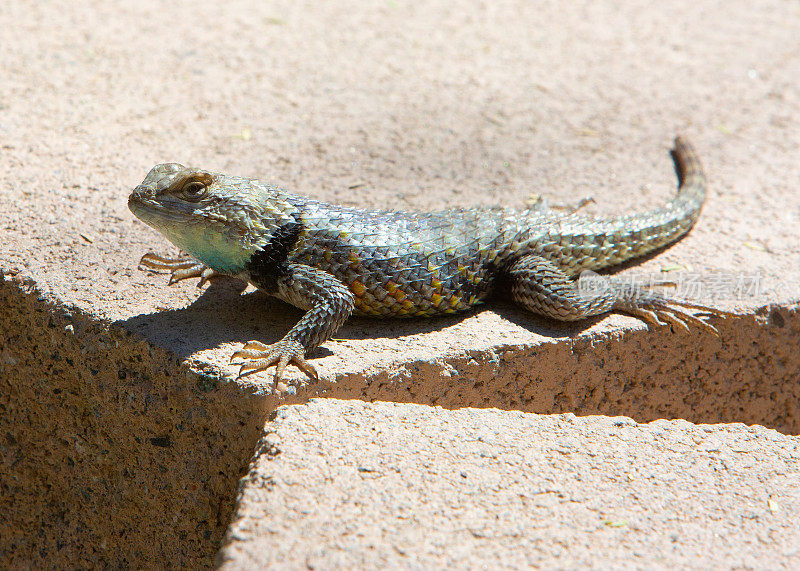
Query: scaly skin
x,y
333,261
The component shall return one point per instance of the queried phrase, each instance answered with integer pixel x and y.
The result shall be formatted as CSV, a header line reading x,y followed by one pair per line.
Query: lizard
x,y
333,261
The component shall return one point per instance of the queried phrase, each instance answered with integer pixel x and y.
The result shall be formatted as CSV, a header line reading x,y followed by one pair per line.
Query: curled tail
x,y
582,243
691,179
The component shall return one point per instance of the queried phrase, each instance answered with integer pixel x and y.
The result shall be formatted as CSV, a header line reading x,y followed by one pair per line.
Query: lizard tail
x,y
640,234
596,243
691,179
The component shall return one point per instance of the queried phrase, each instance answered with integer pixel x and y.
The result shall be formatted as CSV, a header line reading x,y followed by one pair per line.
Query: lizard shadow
x,y
223,313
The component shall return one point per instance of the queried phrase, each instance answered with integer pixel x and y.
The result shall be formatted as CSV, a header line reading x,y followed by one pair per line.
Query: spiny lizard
x,y
333,261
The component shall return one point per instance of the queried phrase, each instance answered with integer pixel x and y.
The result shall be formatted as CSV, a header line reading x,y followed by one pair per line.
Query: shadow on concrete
x,y
221,314
749,373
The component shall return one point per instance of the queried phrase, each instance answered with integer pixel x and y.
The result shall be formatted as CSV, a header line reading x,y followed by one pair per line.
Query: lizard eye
x,y
195,188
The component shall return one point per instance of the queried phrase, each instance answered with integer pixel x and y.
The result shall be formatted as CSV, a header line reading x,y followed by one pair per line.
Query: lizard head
x,y
219,219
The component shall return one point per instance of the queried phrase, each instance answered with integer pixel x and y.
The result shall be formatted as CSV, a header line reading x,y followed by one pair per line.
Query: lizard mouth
x,y
144,208
151,210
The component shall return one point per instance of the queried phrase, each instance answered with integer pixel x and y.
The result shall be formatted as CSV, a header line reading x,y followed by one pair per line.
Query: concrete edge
x,y
113,452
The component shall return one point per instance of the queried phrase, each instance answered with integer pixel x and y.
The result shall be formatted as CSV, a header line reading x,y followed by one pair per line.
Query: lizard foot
x,y
180,267
656,309
260,357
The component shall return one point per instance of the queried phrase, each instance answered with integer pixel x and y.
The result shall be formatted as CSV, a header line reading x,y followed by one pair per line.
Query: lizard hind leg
x,y
541,287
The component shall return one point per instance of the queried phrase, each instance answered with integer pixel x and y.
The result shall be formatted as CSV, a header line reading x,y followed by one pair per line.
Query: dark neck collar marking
x,y
270,263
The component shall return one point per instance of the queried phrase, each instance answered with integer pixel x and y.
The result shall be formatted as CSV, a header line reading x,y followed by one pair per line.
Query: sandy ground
x,y
387,105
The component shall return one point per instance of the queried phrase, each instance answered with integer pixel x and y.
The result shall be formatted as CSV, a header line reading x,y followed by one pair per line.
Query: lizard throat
x,y
206,239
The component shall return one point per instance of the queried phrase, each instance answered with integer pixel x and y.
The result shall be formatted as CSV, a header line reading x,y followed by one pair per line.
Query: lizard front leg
x,y
542,288
328,303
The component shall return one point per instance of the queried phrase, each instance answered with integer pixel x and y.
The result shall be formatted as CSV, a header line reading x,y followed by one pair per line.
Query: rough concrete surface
x,y
122,430
347,484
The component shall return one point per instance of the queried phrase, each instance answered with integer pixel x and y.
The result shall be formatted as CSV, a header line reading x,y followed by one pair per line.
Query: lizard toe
x,y
305,366
259,357
254,367
655,308
180,267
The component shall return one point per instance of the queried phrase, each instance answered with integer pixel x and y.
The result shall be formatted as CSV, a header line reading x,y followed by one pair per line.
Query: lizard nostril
x,y
143,191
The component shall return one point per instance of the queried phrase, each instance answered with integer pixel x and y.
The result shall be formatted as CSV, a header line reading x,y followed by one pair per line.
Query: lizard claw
x,y
259,357
180,267
655,309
